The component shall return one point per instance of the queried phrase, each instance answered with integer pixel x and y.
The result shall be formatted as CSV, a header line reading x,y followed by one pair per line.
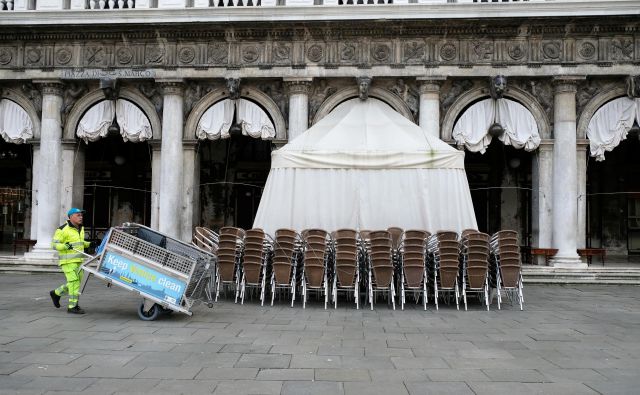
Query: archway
x,y
116,179
234,159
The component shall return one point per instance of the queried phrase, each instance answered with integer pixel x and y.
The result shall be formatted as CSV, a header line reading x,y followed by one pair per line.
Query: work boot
x,y
55,299
75,310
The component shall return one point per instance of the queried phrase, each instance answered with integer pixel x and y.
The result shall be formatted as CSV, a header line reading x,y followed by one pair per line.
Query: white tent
x,y
364,166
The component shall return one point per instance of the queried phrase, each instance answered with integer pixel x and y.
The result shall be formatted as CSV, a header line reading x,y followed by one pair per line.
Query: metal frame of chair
x,y
380,266
505,250
316,254
445,247
345,265
413,266
284,264
230,249
258,248
475,261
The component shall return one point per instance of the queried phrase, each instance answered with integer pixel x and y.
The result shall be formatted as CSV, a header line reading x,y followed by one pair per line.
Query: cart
x,y
169,275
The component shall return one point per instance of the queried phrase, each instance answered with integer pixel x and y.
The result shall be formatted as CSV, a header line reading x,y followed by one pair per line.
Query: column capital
x,y
430,84
567,83
298,85
171,87
50,87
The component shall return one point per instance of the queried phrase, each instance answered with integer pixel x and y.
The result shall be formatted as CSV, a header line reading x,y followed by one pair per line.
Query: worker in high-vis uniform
x,y
69,241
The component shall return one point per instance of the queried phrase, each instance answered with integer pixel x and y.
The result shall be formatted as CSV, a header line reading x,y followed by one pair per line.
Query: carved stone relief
x,y
586,90
408,92
33,56
621,49
414,52
381,52
72,92
320,91
233,86
316,52
194,91
275,90
154,94
7,55
541,89
450,93
633,86
63,55
95,55
552,50
348,52
250,53
364,83
186,54
124,55
33,94
282,52
155,53
517,50
481,51
587,50
218,53
448,52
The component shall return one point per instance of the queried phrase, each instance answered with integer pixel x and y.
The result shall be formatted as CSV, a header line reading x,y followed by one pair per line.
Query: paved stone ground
x,y
569,340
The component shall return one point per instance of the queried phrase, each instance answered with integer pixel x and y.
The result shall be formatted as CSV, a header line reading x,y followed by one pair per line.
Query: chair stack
x,y
257,253
228,269
445,247
475,265
345,266
206,239
413,264
505,249
287,246
380,267
316,253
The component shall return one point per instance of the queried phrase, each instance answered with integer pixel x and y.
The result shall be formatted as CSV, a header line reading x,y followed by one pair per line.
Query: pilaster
x,y
298,89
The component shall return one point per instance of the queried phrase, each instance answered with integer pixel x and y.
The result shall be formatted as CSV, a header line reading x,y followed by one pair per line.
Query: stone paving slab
x,y
568,340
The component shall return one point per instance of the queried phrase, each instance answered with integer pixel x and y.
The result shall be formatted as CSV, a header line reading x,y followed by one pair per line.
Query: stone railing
x,y
22,5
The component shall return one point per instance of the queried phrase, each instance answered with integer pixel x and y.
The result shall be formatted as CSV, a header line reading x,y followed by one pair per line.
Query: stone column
x,y
582,157
565,181
171,174
542,197
72,192
50,172
155,182
430,104
190,189
35,178
298,89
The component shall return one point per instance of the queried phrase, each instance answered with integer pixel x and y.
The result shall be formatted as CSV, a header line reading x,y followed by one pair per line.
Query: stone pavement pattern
x,y
569,340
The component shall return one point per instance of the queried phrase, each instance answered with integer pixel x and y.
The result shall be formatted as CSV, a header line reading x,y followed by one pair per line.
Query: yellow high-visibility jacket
x,y
67,233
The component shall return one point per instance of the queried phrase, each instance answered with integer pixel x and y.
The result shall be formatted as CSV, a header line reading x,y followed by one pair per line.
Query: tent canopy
x,y
365,166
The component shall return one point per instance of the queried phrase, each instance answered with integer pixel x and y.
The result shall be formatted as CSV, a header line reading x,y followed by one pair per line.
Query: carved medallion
x,y
217,53
622,48
413,51
348,52
250,53
63,56
587,50
380,52
186,54
448,52
516,51
33,55
124,55
281,52
154,53
551,50
94,54
315,53
5,56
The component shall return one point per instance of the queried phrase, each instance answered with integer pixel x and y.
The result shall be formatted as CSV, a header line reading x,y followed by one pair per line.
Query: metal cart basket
x,y
169,275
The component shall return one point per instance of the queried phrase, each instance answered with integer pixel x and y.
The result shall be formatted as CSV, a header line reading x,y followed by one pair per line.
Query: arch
x,y
250,93
95,96
594,105
27,105
522,96
348,93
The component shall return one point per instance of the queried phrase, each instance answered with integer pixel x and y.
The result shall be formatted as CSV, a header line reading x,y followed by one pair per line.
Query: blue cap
x,y
74,211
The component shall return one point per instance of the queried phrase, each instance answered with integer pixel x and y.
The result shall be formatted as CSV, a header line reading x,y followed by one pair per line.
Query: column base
x,y
567,262
41,256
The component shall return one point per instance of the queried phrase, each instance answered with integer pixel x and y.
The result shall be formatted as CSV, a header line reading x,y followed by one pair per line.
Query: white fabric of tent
x,y
364,166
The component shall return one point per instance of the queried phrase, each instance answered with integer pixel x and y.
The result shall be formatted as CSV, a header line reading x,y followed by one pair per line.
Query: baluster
x,y
2,4
112,3
92,4
10,5
120,4
101,4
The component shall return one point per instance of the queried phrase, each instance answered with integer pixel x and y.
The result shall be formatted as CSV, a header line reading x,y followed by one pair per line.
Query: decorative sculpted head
x,y
363,87
498,86
233,85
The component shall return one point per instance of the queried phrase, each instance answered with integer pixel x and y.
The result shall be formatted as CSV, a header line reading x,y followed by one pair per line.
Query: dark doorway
x,y
232,177
117,184
15,192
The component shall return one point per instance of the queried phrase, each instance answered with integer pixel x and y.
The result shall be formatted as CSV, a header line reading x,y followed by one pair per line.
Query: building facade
x,y
165,113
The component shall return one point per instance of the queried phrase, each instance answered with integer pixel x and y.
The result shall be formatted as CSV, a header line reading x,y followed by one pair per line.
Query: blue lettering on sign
x,y
142,278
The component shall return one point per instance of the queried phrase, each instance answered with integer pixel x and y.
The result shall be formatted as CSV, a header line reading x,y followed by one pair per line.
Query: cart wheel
x,y
210,305
150,315
165,311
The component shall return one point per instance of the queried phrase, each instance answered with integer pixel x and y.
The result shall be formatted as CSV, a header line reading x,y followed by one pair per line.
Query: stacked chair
x,y
445,247
230,250
316,253
505,252
475,265
380,267
345,265
257,253
413,261
206,239
287,247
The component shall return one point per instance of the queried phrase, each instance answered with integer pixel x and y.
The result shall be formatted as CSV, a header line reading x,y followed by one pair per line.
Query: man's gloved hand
x,y
94,244
69,246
